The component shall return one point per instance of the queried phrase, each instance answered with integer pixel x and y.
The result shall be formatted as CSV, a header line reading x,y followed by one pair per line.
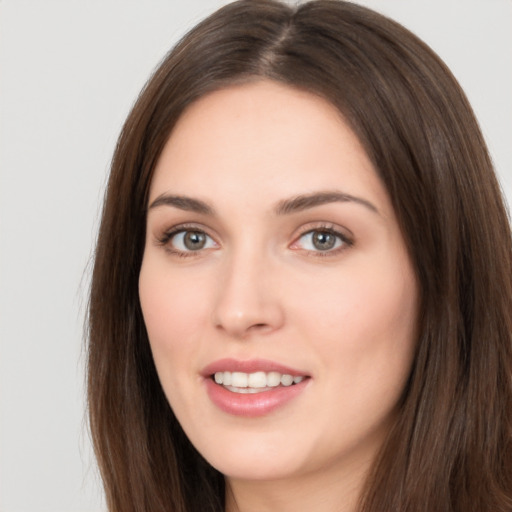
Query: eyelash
x,y
345,241
165,239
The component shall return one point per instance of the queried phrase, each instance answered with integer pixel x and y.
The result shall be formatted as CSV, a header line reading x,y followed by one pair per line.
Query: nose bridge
x,y
247,299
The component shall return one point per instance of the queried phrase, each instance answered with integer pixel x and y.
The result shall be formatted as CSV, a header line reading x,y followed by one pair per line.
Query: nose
x,y
248,298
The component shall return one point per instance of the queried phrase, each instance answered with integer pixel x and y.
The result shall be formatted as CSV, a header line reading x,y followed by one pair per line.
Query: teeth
x,y
286,380
273,379
239,379
255,381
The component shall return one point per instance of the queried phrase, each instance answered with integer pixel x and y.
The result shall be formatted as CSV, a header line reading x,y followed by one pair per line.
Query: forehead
x,y
264,139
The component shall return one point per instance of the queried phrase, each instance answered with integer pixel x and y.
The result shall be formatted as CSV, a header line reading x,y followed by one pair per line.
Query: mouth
x,y
256,382
252,388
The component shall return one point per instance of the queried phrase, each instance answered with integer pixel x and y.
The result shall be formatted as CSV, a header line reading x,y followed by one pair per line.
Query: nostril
x,y
259,327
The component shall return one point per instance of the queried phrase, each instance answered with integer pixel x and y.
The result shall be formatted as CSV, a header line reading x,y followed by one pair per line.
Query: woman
x,y
302,290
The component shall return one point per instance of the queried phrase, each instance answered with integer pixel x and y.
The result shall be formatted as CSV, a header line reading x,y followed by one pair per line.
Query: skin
x,y
260,288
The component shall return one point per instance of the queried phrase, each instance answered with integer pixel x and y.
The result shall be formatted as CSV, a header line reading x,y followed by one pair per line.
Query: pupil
x,y
194,240
323,240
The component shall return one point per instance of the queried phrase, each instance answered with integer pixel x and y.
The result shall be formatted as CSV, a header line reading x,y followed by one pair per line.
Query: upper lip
x,y
249,366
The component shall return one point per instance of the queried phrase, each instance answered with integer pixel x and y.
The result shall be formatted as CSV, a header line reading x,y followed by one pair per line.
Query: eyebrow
x,y
183,203
285,207
306,201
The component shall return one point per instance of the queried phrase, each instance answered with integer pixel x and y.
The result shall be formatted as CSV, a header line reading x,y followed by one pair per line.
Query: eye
x,y
188,240
321,240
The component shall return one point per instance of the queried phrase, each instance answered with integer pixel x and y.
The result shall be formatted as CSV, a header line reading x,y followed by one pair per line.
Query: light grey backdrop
x,y
70,71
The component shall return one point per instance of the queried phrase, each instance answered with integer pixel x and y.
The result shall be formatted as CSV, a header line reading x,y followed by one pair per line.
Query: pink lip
x,y
251,404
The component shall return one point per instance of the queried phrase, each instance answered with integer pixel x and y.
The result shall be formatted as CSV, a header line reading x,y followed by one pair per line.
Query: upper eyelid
x,y
163,236
188,226
337,234
342,231
165,240
344,234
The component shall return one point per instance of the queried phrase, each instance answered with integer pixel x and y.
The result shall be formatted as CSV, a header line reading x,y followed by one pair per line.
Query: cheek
x,y
366,342
360,307
172,315
363,325
169,304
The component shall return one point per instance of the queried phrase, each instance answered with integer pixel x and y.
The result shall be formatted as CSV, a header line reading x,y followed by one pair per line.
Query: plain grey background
x,y
69,72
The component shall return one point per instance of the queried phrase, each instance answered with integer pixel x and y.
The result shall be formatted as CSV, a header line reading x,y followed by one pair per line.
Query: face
x,y
277,292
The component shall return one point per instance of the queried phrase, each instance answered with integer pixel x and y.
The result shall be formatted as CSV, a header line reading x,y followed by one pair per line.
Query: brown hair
x,y
451,447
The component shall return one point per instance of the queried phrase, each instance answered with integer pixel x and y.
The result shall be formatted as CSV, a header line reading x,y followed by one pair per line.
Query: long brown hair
x,y
451,447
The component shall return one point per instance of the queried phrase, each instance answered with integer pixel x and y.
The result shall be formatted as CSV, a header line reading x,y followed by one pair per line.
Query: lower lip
x,y
252,404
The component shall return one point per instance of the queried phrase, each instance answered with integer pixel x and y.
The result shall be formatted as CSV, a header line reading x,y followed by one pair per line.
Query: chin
x,y
255,459
271,468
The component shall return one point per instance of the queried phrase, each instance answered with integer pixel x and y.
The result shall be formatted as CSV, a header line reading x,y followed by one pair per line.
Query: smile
x,y
257,382
253,388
